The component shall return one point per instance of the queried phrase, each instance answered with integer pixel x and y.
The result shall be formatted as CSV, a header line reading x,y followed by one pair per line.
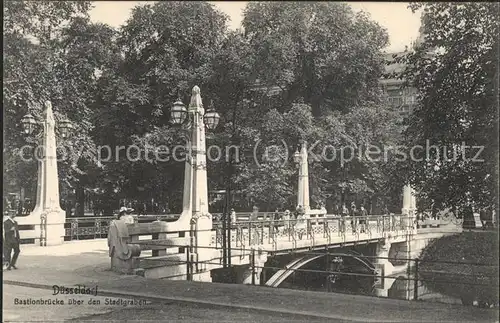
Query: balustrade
x,y
97,227
248,233
263,231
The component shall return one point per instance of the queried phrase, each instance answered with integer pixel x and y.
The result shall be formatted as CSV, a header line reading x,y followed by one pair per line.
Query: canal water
x,y
359,280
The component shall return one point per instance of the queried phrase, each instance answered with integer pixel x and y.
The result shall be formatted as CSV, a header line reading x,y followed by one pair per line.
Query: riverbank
x,y
475,279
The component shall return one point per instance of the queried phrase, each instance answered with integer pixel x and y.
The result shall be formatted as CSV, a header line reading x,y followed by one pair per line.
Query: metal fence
x,y
476,286
247,233
83,228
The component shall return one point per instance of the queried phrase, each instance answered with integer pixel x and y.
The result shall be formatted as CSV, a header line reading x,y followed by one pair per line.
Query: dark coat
x,y
11,231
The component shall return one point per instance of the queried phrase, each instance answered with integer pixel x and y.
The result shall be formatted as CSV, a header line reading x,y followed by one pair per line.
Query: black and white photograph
x,y
250,161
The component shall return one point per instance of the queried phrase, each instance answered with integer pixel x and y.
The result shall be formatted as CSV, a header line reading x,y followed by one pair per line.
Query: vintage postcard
x,y
231,161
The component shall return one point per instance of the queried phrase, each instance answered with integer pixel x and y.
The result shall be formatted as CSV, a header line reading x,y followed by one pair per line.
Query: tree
x,y
35,70
322,52
327,60
167,49
455,70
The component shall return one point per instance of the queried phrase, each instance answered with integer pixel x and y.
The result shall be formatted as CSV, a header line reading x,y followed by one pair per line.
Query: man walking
x,y
353,213
11,240
363,213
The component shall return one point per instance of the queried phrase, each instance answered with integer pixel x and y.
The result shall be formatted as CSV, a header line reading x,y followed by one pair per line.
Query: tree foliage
x,y
320,52
298,72
39,65
455,70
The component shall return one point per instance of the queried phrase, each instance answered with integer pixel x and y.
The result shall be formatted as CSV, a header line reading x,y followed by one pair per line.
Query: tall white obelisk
x,y
47,217
303,189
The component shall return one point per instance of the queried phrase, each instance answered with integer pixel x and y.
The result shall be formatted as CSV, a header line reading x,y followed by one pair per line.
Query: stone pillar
x,y
409,201
244,273
195,218
303,189
383,285
406,200
47,217
413,203
383,266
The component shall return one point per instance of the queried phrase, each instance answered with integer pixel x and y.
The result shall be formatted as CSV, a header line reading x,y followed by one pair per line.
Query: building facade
x,y
399,97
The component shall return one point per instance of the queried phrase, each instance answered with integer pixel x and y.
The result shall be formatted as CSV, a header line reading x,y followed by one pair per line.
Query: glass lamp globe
x,y
211,119
65,126
28,122
296,157
178,113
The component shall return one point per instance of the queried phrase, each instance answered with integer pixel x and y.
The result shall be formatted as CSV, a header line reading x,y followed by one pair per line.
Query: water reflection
x,y
401,286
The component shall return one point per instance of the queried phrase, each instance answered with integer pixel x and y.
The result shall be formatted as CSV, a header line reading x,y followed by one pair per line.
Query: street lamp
x,y
29,124
47,218
211,118
195,215
178,113
296,157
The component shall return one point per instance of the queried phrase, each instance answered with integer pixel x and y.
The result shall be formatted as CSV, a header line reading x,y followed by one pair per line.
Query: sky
x,y
401,24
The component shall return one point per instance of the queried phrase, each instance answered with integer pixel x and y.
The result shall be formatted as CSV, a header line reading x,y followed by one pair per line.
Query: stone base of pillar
x,y
54,227
384,285
244,275
121,266
384,267
202,277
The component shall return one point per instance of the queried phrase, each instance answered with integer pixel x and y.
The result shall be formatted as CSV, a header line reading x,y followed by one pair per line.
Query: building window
x,y
395,101
410,100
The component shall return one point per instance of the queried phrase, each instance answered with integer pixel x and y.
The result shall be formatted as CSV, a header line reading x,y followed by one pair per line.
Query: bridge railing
x,y
82,228
90,227
248,233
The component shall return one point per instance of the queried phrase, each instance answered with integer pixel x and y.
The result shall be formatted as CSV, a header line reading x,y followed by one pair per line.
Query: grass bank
x,y
475,280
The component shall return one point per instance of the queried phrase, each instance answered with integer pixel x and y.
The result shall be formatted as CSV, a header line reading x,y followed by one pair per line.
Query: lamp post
x,y
300,158
195,215
47,217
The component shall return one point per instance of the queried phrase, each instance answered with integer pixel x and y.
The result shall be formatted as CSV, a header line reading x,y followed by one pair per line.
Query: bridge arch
x,y
281,275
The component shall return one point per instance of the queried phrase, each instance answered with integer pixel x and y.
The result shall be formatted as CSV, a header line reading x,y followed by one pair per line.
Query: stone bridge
x,y
156,251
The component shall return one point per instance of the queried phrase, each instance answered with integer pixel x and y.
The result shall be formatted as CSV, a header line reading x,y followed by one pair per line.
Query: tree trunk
x,y
80,200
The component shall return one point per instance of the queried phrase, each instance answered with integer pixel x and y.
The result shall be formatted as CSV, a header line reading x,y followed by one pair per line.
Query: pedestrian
x,y
254,217
300,210
15,205
124,215
353,212
121,212
76,210
6,203
489,217
27,207
343,213
468,218
20,207
11,240
255,214
233,216
336,210
286,220
363,218
300,225
277,220
483,217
